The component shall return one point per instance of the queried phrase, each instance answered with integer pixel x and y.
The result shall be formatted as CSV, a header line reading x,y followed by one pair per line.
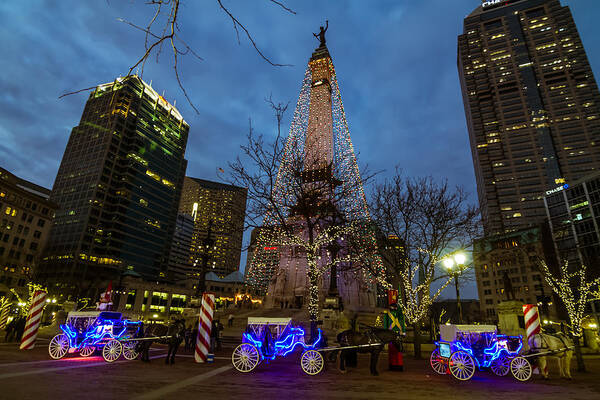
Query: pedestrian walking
x,y
230,320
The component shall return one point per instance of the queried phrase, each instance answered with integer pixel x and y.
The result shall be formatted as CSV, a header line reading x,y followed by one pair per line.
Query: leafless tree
x,y
575,289
425,220
164,27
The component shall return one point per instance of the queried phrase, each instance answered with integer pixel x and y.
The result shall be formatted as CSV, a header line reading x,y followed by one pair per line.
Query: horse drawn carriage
x,y
463,348
268,338
88,331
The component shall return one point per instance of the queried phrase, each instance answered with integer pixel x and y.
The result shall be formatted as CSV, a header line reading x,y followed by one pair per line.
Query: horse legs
x,y
561,366
543,365
143,352
567,363
175,347
343,361
146,350
374,361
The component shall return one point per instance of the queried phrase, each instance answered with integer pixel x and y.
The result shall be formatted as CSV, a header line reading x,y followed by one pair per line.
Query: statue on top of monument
x,y
321,34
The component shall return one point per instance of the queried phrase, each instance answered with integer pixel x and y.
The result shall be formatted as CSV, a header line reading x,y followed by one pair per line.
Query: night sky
x,y
395,61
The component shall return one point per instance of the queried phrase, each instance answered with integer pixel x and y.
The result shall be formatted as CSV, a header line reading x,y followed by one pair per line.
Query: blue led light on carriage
x,y
306,347
67,330
493,352
285,346
256,343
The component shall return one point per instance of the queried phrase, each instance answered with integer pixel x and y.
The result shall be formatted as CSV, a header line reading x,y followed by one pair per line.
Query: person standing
x,y
10,330
230,321
20,327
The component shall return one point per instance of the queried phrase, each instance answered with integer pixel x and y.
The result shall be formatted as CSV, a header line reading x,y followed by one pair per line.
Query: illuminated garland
x,y
417,296
574,301
31,289
271,238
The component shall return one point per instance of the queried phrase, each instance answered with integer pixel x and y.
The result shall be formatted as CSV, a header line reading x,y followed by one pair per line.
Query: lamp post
x,y
454,265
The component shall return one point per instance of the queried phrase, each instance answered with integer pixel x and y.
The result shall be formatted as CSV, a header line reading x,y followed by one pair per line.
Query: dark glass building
x,y
574,216
180,266
118,188
532,107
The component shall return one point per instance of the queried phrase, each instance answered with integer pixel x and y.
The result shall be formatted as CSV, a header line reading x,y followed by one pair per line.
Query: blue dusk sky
x,y
395,61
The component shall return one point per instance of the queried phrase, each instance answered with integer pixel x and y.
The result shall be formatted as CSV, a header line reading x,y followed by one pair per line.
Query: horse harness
x,y
546,345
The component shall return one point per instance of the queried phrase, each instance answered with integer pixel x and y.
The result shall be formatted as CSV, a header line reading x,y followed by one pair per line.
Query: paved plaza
x,y
32,375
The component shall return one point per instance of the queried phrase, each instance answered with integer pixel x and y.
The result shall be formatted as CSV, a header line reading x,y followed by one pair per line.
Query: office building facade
x,y
218,211
118,188
25,220
574,216
515,254
532,107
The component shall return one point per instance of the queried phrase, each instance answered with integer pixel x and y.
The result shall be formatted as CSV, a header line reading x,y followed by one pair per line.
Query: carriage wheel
x,y
245,357
462,365
501,365
59,346
312,362
112,350
87,351
521,369
129,350
438,364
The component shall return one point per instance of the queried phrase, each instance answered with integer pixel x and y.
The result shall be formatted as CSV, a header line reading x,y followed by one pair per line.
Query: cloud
x,y
396,64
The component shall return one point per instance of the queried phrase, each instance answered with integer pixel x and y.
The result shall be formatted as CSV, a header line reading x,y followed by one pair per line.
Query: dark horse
x,y
377,337
175,332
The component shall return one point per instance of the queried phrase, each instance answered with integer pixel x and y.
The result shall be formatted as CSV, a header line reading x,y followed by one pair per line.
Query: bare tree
x,y
297,202
575,289
164,27
427,219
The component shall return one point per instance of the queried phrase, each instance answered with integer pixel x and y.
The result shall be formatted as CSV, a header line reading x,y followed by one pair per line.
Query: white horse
x,y
542,343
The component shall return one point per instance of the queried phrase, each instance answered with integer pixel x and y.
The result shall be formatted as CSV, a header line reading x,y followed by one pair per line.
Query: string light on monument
x,y
271,239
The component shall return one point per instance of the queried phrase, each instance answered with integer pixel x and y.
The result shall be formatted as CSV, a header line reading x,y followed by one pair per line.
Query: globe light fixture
x,y
448,263
460,258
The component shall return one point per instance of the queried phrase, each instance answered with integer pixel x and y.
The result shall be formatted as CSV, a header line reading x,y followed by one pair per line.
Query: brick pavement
x,y
32,375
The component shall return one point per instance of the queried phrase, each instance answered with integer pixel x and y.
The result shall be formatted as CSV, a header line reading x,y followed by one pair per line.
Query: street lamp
x,y
454,265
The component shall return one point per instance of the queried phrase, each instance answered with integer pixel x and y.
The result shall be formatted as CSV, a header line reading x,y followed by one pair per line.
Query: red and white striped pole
x,y
33,320
4,311
204,327
532,324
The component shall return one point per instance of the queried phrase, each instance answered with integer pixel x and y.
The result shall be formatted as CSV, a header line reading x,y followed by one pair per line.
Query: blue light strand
x,y
100,331
285,346
499,345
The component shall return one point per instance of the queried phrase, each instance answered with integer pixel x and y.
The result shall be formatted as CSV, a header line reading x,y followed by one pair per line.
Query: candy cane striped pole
x,y
532,324
33,320
4,311
204,327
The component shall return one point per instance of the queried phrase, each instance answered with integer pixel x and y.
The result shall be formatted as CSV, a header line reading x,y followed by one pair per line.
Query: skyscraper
x,y
118,188
220,208
180,266
532,107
